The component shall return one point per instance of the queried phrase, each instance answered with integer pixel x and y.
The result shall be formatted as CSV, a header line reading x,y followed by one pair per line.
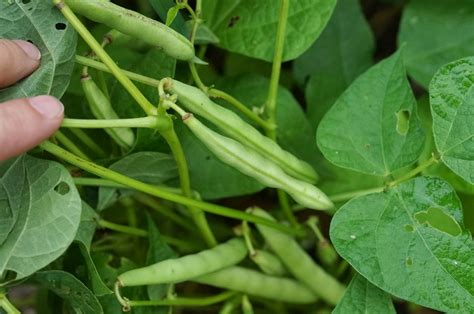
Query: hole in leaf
x,y
60,26
62,188
25,1
403,121
438,219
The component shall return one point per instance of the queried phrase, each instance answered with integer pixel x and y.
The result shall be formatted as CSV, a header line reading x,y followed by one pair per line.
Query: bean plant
x,y
240,156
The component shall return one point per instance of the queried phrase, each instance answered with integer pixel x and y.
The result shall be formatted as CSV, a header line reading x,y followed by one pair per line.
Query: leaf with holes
x,y
248,26
374,126
42,24
452,107
40,209
363,297
426,52
411,242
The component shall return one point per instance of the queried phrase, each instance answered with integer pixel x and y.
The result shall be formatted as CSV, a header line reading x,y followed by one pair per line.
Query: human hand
x,y
25,122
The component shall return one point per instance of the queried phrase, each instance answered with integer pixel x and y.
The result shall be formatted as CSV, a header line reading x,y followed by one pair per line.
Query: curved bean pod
x,y
253,164
232,125
300,264
255,283
102,109
187,267
135,24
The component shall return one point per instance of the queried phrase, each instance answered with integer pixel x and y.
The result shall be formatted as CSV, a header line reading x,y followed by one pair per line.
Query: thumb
x,y
26,122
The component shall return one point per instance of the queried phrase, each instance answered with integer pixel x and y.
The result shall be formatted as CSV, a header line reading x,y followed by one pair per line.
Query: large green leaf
x,y
452,107
411,242
374,126
343,51
150,167
40,211
363,297
436,32
69,288
249,27
41,23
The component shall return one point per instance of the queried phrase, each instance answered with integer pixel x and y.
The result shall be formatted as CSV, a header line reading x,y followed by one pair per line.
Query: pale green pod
x,y
247,307
136,25
299,263
102,109
120,39
233,126
251,163
254,283
268,263
187,267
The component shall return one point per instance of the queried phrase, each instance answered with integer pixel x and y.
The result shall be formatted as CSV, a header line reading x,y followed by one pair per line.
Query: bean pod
x,y
257,284
268,263
299,263
102,109
186,267
136,25
232,125
251,163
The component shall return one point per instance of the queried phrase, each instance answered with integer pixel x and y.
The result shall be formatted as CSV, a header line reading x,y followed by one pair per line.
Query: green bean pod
x,y
102,109
136,25
257,284
326,253
247,307
268,263
299,263
233,126
251,163
187,267
120,39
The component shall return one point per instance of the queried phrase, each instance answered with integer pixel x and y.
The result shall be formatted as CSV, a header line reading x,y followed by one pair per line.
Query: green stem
x,y
102,55
197,78
215,93
312,222
415,171
285,206
270,104
66,142
131,75
158,192
197,301
151,122
7,306
247,238
112,184
350,195
123,229
198,215
86,140
164,211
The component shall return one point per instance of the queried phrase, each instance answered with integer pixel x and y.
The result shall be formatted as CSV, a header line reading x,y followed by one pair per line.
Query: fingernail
x,y
29,49
47,106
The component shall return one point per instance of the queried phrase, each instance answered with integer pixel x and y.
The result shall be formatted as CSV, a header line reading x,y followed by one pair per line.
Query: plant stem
x,y
415,171
197,301
350,195
197,78
215,93
121,228
198,215
66,142
131,75
147,122
158,192
112,184
7,306
102,55
270,104
86,140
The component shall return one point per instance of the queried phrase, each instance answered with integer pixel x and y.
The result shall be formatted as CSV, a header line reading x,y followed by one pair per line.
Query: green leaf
x,y
149,167
363,132
161,7
249,27
171,15
411,242
69,288
87,227
40,209
93,278
431,43
204,35
452,106
42,24
363,297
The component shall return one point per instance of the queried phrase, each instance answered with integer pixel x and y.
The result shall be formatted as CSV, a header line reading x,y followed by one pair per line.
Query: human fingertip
x,y
47,106
30,50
